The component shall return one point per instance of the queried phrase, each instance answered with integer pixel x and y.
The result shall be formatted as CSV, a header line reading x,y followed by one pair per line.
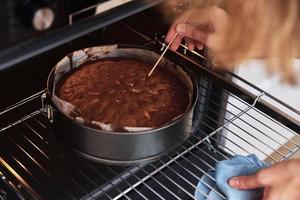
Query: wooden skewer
x,y
162,55
165,51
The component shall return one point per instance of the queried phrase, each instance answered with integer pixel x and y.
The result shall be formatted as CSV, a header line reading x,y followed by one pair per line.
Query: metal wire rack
x,y
39,166
227,121
176,175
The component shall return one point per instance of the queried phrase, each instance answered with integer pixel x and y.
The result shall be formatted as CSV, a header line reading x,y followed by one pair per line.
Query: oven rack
x,y
39,167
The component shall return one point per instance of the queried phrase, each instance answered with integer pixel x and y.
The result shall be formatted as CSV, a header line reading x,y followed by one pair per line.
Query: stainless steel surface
x,y
174,175
97,9
43,19
199,147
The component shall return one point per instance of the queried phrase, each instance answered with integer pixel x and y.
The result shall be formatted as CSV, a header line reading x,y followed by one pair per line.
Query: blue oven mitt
x,y
236,166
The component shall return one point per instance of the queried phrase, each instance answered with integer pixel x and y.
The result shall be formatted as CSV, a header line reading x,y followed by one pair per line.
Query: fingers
x,y
170,34
265,177
266,193
245,182
279,173
193,36
199,45
191,41
273,194
192,32
190,44
172,30
174,46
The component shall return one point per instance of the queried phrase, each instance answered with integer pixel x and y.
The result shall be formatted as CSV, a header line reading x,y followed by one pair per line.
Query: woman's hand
x,y
203,27
280,181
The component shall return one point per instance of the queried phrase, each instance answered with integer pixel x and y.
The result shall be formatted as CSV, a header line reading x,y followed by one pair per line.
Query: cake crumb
x,y
153,110
154,92
147,115
118,82
136,90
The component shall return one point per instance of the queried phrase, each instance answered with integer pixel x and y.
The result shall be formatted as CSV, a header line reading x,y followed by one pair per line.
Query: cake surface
x,y
118,92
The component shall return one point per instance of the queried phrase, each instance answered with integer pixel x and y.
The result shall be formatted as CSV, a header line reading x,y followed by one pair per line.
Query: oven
x,y
34,164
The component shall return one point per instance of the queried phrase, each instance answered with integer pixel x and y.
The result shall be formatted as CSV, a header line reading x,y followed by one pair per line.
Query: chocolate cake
x,y
118,92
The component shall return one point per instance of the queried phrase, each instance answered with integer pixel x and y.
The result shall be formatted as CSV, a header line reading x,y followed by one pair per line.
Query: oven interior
x,y
35,165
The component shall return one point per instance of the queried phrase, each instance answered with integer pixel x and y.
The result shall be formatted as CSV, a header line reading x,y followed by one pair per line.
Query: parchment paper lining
x,y
78,58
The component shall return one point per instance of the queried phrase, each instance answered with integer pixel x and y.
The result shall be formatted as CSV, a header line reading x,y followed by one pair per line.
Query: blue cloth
x,y
214,185
206,188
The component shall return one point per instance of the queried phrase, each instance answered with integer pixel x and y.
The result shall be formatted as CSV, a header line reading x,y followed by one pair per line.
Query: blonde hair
x,y
262,28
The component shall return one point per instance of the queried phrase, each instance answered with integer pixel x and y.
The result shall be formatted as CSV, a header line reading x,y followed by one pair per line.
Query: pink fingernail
x,y
234,182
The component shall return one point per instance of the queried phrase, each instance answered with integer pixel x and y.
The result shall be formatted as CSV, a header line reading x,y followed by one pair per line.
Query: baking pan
x,y
110,147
